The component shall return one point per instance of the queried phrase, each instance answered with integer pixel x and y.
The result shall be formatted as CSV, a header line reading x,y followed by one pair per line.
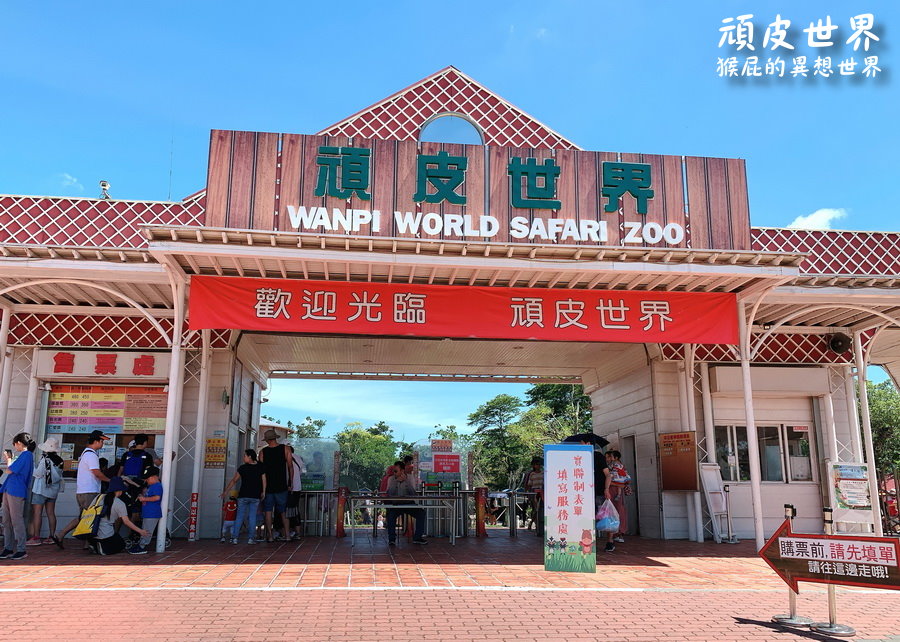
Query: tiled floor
x,y
481,589
497,560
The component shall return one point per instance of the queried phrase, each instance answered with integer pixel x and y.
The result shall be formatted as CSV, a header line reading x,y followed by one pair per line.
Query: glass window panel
x,y
740,437
724,448
770,453
799,454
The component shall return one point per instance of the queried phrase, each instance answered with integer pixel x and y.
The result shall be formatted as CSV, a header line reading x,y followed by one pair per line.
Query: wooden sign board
x,y
678,461
261,180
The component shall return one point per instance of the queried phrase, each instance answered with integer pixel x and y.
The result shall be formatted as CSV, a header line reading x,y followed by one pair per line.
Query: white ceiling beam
x,y
90,310
759,328
387,376
575,280
475,261
193,263
44,292
260,267
795,295
135,293
674,283
217,266
33,269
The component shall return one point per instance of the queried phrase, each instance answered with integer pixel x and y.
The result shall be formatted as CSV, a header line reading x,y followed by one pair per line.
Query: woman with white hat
x,y
44,490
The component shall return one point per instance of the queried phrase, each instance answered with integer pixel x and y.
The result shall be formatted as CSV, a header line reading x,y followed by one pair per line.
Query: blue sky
x,y
127,92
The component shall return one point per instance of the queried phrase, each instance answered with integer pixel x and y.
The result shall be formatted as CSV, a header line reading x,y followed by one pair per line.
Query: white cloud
x,y
67,180
818,220
541,33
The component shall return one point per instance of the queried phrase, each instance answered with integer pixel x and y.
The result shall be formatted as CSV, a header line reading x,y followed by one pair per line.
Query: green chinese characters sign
x,y
345,171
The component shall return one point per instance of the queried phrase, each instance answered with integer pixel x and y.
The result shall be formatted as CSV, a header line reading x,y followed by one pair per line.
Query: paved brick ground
x,y
481,589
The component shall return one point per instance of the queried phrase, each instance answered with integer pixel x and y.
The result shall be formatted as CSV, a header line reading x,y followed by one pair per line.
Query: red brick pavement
x,y
481,589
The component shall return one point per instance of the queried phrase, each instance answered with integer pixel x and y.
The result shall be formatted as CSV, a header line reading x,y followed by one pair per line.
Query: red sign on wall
x,y
446,463
284,305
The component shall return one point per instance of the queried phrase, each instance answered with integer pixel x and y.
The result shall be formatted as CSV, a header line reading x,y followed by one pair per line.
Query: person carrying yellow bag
x,y
90,520
97,523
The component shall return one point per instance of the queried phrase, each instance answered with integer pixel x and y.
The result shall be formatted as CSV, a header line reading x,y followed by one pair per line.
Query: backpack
x,y
136,463
90,519
46,479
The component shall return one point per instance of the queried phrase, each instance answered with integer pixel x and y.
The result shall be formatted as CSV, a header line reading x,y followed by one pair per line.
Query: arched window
x,y
451,128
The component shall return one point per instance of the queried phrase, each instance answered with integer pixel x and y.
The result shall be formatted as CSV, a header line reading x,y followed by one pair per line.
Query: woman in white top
x,y
44,491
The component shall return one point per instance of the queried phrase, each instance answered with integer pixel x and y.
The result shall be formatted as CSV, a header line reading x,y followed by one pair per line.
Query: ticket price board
x,y
112,409
852,560
570,542
215,453
678,461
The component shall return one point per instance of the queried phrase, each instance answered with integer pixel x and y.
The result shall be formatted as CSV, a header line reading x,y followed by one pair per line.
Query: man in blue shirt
x,y
20,472
151,509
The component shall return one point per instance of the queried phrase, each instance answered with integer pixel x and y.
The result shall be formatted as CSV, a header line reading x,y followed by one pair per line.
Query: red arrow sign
x,y
851,560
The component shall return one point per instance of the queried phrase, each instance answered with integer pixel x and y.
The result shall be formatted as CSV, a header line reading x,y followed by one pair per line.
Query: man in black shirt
x,y
279,471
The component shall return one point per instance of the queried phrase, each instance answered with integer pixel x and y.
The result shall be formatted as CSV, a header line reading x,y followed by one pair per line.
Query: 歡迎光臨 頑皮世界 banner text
x,y
399,309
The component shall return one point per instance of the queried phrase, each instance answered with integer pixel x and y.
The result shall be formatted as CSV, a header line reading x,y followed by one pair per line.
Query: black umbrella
x,y
588,437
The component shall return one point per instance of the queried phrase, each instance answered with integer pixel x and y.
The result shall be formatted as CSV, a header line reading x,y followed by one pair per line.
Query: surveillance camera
x,y
104,184
265,400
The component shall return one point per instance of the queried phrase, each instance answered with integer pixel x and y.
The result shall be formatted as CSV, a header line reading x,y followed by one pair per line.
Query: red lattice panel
x,y
778,348
87,222
402,115
46,330
834,252
217,339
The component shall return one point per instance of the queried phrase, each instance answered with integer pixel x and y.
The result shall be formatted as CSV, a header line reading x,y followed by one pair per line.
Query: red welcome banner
x,y
285,305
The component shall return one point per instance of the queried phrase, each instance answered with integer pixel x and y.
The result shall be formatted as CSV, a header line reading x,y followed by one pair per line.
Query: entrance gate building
x,y
355,253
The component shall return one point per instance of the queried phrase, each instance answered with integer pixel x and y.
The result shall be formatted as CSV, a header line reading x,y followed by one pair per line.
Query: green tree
x,y
568,405
884,412
405,448
462,441
364,455
496,451
381,428
308,429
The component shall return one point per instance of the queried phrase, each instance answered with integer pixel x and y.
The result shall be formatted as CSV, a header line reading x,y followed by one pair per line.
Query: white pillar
x,y
692,425
708,423
178,417
852,414
5,383
200,437
4,334
173,403
685,425
698,515
867,431
31,399
830,427
752,437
